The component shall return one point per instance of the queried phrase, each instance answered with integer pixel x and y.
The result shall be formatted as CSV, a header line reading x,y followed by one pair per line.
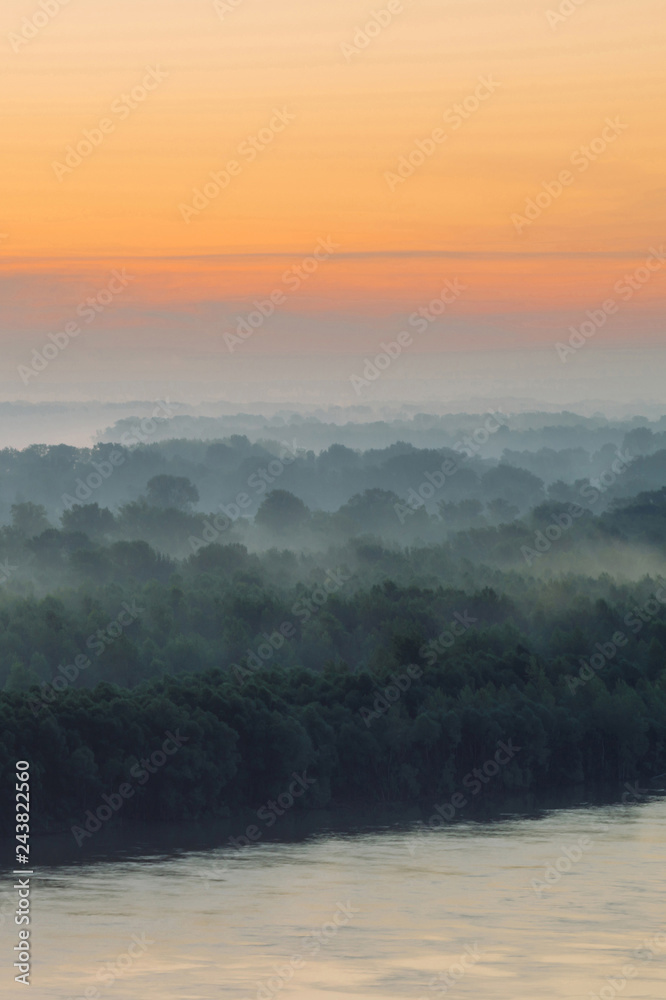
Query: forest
x,y
376,621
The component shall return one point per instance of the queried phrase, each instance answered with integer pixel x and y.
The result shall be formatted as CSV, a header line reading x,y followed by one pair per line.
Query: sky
x,y
178,174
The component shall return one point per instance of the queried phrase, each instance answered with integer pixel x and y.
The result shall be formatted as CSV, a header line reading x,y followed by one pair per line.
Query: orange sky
x,y
332,124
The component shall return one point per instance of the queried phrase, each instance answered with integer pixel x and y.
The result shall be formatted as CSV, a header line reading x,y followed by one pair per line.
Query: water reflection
x,y
554,905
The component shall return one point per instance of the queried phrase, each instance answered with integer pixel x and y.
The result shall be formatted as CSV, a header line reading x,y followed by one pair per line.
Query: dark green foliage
x,y
497,594
281,511
326,700
171,492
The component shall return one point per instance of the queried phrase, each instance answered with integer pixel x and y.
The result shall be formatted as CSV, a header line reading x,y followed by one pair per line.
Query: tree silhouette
x,y
282,511
171,491
29,519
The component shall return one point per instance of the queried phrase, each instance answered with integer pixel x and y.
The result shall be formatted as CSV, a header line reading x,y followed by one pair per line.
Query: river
x,y
524,908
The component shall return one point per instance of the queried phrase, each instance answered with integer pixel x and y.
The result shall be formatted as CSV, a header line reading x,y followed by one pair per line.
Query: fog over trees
x,y
376,615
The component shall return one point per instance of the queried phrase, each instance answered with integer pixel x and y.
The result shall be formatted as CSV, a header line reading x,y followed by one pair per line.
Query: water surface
x,y
379,914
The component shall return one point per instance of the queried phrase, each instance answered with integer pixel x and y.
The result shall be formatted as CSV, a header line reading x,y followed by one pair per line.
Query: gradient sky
x,y
557,82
